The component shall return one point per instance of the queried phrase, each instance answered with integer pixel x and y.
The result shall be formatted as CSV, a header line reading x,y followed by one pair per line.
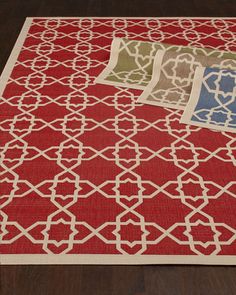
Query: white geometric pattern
x,y
92,172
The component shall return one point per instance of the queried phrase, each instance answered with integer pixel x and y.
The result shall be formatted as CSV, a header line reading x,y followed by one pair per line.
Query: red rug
x,y
90,176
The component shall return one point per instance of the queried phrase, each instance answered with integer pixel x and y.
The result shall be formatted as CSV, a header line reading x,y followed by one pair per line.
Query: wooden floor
x,y
110,280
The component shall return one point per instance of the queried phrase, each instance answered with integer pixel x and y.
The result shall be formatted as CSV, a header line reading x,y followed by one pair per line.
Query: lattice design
x,y
86,170
131,61
213,100
173,75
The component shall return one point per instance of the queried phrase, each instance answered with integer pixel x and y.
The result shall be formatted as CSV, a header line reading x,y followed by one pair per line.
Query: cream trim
x,y
116,259
162,104
114,53
156,71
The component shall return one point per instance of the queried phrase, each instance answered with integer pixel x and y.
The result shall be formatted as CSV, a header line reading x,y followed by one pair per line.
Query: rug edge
x,y
132,17
7,69
116,259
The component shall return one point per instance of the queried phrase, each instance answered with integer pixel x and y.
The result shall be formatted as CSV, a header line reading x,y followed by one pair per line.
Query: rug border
x,y
131,17
116,259
102,259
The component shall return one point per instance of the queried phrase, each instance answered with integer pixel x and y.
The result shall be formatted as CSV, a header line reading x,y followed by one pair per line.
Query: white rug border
x,y
193,100
116,259
155,77
95,259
